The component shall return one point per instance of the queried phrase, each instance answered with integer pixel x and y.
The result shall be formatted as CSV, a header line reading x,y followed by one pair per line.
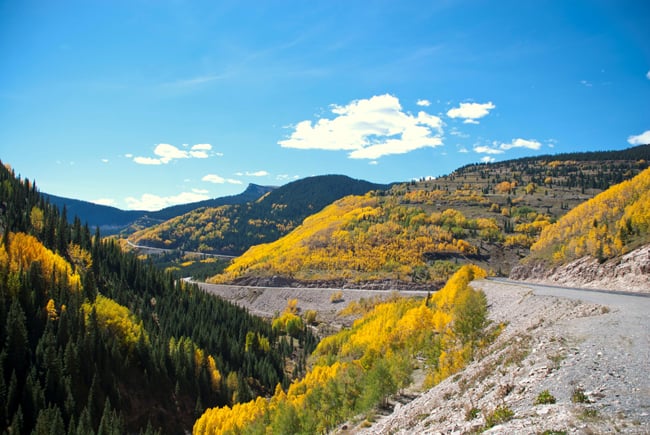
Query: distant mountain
x,y
112,220
231,229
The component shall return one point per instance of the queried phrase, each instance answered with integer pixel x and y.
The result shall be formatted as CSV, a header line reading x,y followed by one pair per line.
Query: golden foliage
x,y
368,361
361,238
24,249
605,226
116,319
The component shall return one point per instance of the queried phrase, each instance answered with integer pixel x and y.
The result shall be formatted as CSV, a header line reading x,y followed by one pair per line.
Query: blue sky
x,y
144,104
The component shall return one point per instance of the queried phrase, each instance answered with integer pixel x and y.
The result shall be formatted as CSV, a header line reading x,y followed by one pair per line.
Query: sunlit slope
x,y
362,238
420,232
355,370
610,224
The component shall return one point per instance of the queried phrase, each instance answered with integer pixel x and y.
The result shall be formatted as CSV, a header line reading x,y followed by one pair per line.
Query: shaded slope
x,y
111,220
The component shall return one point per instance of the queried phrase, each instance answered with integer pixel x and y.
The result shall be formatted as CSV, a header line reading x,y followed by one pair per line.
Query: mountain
x,y
112,220
231,229
417,233
94,340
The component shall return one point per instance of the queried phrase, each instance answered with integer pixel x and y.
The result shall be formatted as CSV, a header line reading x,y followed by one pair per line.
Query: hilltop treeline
x,y
93,340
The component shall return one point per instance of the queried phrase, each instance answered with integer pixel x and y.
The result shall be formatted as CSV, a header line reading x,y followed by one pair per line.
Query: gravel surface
x,y
268,301
560,340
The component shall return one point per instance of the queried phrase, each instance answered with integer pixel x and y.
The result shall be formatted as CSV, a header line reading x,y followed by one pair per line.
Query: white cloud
x,y
368,129
147,161
128,155
521,143
104,201
648,75
373,162
586,83
151,202
470,112
423,103
213,178
640,139
487,150
166,153
253,174
283,177
463,150
200,151
104,160
203,191
199,154
455,132
216,179
488,159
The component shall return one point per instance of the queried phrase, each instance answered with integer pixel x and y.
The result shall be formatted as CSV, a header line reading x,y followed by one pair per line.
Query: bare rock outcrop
x,y
630,272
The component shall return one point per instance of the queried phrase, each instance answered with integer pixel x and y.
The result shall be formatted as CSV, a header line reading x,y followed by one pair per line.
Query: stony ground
x,y
597,345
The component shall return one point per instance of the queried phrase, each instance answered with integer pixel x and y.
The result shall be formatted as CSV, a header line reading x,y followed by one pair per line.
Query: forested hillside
x,y
232,229
420,232
93,340
355,370
608,225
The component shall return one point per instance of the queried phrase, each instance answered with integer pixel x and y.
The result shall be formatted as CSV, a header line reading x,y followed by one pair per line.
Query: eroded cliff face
x,y
631,272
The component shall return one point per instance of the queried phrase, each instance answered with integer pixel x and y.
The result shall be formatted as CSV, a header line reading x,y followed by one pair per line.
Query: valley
x,y
328,307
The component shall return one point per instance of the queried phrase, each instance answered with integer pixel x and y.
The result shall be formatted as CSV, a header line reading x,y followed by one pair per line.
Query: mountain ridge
x,y
231,229
112,220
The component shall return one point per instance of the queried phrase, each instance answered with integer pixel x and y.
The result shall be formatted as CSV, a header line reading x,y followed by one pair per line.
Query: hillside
x,y
93,339
598,240
232,229
567,362
418,233
112,220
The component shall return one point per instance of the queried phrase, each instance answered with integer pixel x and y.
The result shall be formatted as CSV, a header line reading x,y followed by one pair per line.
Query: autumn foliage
x,y
609,224
362,238
357,369
22,250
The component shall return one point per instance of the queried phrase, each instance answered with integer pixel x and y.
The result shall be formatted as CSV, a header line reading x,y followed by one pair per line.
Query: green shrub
x,y
472,413
500,415
544,398
579,396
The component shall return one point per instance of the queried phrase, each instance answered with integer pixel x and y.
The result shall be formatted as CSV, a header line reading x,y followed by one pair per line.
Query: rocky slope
x,y
630,272
591,355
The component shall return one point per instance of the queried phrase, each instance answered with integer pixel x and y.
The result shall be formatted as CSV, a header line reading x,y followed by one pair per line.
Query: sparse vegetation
x,y
579,396
472,413
336,297
499,415
544,398
356,370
